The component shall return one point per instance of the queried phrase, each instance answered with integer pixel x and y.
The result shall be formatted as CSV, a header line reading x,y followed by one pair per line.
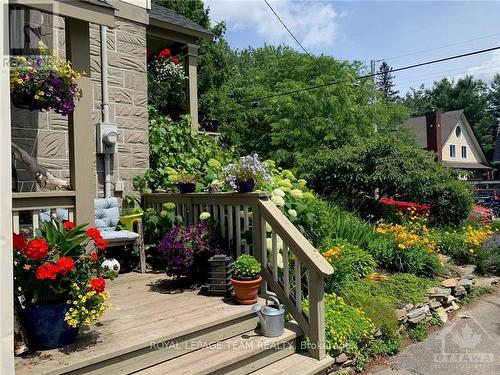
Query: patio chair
x,y
106,220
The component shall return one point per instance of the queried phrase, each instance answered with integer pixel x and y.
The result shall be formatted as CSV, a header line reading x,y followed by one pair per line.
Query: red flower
x,y
68,225
47,271
94,257
36,249
19,242
93,233
176,61
98,284
65,265
101,244
165,53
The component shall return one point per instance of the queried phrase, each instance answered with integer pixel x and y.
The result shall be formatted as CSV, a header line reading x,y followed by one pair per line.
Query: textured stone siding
x,y
45,135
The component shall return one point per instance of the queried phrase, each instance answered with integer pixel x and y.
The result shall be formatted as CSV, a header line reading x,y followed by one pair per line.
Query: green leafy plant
x,y
349,262
388,345
419,332
246,266
347,328
130,205
476,292
184,177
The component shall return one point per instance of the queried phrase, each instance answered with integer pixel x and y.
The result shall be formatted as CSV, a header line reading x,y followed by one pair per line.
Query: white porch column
x,y
6,261
190,68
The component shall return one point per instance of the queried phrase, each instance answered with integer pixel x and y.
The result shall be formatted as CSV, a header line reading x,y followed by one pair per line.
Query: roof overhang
x,y
91,11
179,29
468,166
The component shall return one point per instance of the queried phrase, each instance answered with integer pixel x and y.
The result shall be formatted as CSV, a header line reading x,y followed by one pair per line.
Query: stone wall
x,y
44,134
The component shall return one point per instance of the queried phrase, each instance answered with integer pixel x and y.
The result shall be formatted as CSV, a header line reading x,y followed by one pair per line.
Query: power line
x,y
376,74
287,29
438,48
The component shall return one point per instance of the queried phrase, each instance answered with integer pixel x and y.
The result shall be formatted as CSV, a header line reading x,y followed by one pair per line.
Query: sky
x,y
399,32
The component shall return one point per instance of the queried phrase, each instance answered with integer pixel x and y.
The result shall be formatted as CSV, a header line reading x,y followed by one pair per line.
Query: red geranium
x,y
65,265
98,284
68,225
165,53
176,61
101,244
36,249
47,271
19,242
93,233
94,257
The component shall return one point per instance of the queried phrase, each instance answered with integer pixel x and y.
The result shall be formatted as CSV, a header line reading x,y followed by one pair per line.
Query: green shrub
x,y
451,202
419,332
452,243
349,262
418,260
398,289
347,328
384,346
382,249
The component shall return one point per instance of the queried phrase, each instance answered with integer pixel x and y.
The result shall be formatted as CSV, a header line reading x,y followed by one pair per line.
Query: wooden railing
x,y
29,208
250,223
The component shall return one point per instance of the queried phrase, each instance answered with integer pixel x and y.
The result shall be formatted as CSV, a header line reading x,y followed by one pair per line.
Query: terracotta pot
x,y
245,292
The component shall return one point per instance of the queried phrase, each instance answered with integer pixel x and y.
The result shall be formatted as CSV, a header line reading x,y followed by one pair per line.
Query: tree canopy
x,y
385,84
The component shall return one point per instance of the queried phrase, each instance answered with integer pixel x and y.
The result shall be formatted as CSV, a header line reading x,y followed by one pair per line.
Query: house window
x,y
458,131
464,152
452,151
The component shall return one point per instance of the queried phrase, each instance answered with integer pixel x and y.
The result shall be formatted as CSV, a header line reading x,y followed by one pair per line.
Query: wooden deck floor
x,y
145,308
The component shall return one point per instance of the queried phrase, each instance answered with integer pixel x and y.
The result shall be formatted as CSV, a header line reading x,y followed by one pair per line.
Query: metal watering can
x,y
271,316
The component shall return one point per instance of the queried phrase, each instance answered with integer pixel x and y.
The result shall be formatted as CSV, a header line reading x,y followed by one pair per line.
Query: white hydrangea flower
x,y
302,182
297,194
278,201
292,213
278,192
205,216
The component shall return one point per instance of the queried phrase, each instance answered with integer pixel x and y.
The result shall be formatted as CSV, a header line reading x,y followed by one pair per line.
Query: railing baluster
x,y
246,227
71,214
36,220
298,284
237,218
196,213
15,221
274,254
184,213
230,229
286,271
222,221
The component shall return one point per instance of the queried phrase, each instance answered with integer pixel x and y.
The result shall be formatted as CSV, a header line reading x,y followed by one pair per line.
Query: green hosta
x,y
347,328
246,266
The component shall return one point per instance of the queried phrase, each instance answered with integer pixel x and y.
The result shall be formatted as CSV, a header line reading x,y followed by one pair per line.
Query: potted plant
x,y
61,282
246,279
44,82
131,211
245,174
186,182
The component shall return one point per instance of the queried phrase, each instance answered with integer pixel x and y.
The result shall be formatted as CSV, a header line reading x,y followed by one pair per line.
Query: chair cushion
x,y
106,213
61,214
119,235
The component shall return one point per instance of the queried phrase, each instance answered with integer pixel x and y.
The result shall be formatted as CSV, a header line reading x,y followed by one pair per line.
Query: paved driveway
x,y
463,346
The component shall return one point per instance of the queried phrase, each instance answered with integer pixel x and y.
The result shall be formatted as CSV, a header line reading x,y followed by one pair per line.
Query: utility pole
x,y
376,193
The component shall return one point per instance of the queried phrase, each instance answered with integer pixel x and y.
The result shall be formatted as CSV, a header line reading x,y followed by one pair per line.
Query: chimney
x,y
433,127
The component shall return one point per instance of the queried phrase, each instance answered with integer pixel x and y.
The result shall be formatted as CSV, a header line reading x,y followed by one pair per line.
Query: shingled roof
x,y
419,126
169,16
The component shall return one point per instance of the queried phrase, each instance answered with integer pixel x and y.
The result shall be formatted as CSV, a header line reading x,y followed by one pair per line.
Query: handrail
x,y
43,200
291,270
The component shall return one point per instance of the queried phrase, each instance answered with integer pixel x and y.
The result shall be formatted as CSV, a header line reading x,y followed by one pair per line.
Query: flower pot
x,y
47,327
245,291
186,188
128,220
245,186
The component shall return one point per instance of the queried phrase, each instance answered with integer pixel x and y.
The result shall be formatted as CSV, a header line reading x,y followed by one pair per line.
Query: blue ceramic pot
x,y
46,326
186,188
245,186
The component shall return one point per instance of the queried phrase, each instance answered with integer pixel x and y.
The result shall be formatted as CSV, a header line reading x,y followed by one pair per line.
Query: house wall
x,y
464,140
44,134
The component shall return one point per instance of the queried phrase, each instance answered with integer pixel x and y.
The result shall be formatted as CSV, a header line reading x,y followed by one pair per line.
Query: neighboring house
x,y
451,137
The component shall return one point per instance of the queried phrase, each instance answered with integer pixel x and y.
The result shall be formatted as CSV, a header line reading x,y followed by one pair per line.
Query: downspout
x,y
105,106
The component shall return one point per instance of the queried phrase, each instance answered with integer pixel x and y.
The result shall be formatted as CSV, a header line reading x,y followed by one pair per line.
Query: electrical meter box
x,y
107,138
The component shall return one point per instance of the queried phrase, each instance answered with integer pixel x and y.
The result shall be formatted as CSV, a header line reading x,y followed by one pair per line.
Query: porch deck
x,y
146,308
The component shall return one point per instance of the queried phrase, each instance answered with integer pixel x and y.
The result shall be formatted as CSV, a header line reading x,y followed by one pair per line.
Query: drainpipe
x,y
105,106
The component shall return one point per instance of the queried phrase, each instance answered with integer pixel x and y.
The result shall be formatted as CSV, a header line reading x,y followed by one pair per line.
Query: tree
x,y
494,100
385,84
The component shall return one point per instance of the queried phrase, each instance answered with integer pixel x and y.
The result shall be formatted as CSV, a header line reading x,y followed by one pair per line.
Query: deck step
x,y
239,355
159,351
297,363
